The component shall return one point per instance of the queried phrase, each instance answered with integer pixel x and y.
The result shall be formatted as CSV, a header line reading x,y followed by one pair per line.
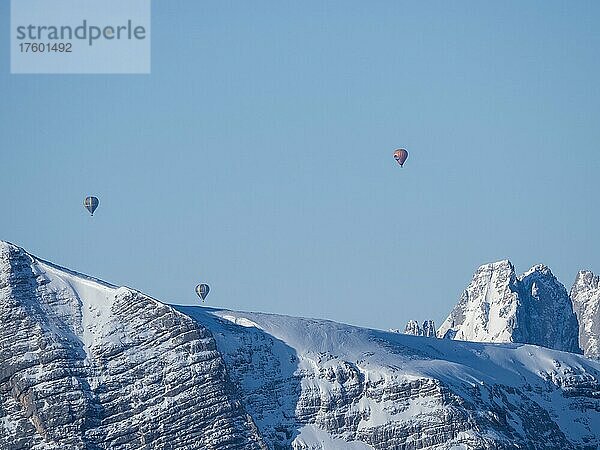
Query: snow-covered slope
x,y
305,381
87,365
585,295
498,306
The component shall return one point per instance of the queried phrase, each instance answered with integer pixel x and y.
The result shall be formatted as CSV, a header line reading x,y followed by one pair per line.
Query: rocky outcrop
x,y
413,328
86,365
429,329
585,295
498,306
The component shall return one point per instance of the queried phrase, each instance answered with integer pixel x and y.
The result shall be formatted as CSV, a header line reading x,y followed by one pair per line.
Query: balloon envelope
x,y
400,156
202,290
91,203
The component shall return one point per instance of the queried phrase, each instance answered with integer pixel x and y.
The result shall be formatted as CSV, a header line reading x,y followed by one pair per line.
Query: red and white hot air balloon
x,y
400,156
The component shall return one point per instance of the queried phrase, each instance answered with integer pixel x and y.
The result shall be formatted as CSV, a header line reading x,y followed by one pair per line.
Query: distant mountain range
x,y
88,365
533,308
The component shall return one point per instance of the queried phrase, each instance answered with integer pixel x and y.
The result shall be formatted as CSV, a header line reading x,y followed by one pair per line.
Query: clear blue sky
x,y
257,156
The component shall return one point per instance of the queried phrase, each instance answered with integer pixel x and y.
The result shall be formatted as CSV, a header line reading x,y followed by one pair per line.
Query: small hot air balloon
x,y
400,156
202,290
91,203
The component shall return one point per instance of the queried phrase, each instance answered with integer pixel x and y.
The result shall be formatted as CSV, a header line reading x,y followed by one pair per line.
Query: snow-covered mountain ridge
x,y
88,365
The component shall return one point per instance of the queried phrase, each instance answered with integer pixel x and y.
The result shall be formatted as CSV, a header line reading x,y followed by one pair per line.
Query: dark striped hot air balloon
x,y
400,156
91,203
202,291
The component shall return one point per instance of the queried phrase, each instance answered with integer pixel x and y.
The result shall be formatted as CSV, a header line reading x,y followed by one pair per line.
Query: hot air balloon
x,y
400,156
202,290
91,203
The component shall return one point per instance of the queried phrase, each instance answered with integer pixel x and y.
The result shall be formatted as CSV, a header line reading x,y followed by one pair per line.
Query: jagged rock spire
x,y
585,295
413,328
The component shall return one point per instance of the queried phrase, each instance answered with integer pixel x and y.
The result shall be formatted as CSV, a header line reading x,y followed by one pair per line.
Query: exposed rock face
x,y
84,365
487,308
547,318
498,306
319,385
585,295
427,330
413,328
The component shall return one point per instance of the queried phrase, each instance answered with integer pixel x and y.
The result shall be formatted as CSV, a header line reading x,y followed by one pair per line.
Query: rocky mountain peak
x,y
541,269
585,295
498,306
585,280
503,271
487,306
